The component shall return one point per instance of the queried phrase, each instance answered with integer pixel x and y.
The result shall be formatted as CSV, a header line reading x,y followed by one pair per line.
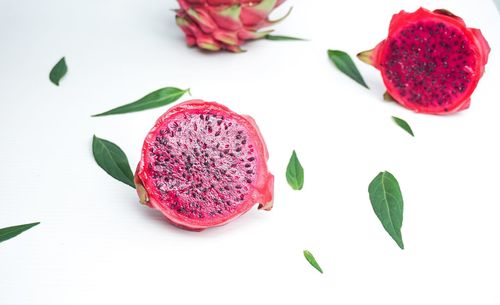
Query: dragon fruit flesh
x,y
430,61
203,165
215,25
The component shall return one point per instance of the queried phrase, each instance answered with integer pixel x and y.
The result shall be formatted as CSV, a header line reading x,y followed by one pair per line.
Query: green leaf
x,y
345,64
112,160
155,99
295,173
387,202
310,258
280,38
10,232
402,123
58,71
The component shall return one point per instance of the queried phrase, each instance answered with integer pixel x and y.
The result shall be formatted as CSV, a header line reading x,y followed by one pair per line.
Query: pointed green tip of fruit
x,y
209,46
366,57
191,12
281,18
445,12
260,35
235,49
388,97
265,6
232,12
181,21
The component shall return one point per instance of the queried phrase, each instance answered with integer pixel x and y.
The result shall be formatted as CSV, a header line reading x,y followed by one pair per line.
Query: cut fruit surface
x,y
430,61
203,165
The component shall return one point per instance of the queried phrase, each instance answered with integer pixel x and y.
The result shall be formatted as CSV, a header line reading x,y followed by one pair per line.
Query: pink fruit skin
x,y
478,46
215,25
260,191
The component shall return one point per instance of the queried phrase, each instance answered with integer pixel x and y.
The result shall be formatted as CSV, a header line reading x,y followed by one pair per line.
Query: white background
x,y
97,245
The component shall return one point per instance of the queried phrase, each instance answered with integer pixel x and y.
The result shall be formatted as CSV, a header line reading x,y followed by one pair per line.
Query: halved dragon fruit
x,y
430,61
203,165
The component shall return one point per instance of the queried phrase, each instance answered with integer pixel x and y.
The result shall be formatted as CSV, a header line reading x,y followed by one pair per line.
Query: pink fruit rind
x,y
225,24
260,189
475,41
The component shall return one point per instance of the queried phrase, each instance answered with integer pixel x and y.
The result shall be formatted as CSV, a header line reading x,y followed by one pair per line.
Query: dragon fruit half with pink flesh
x,y
430,61
215,25
203,165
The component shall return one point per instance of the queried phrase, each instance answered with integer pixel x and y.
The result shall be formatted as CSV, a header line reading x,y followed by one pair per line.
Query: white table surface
x,y
97,245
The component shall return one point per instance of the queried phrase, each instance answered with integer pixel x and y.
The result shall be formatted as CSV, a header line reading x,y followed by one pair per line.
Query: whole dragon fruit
x,y
215,25
430,61
203,165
